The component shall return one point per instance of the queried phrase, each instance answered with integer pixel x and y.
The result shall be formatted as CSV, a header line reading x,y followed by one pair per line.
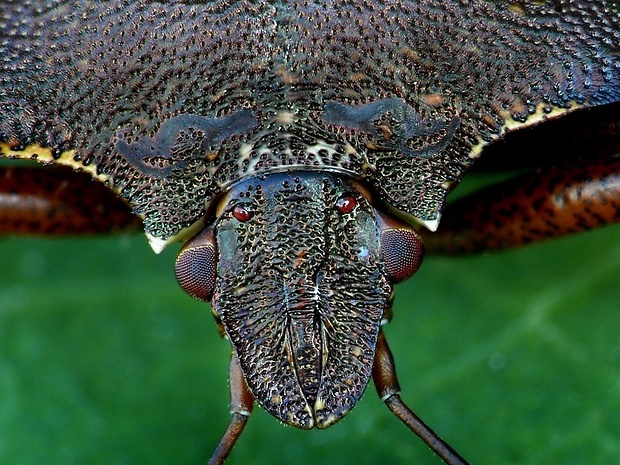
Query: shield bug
x,y
293,146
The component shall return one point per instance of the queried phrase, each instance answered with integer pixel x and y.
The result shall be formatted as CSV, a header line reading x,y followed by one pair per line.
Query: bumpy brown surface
x,y
556,201
32,201
103,78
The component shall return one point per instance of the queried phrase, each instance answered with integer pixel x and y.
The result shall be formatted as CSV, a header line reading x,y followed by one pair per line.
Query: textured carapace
x,y
170,103
301,288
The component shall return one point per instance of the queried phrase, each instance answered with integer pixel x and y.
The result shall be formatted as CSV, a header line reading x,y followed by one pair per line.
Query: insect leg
x,y
59,200
384,376
241,403
557,201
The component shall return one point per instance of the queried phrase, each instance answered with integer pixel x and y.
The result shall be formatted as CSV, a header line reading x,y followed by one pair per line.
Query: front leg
x,y
384,376
241,404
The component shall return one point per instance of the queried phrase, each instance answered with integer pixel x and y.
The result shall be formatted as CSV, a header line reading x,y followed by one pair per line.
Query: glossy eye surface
x,y
242,213
346,203
196,267
402,252
401,247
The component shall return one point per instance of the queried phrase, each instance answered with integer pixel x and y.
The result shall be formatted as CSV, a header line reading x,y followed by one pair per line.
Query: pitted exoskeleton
x,y
299,269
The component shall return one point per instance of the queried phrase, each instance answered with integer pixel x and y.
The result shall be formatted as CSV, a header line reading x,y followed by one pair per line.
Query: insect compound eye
x,y
196,266
242,213
346,204
401,247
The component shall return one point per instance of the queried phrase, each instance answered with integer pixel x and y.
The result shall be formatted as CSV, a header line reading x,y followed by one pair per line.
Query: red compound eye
x,y
196,266
346,203
401,247
402,252
242,213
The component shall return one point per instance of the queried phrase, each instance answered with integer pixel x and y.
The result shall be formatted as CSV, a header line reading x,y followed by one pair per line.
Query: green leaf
x,y
511,357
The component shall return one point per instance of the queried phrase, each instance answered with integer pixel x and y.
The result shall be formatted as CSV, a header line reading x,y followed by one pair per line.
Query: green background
x,y
511,357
